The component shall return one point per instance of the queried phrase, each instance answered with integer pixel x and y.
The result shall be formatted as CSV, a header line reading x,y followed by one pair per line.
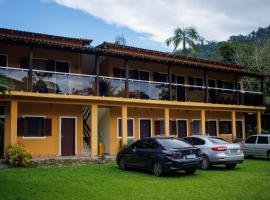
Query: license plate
x,y
190,156
234,151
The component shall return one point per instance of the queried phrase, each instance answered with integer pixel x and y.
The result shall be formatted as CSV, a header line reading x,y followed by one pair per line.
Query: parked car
x,y
161,155
216,151
257,145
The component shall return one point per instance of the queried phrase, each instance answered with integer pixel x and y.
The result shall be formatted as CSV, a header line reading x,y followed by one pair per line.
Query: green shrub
x,y
18,155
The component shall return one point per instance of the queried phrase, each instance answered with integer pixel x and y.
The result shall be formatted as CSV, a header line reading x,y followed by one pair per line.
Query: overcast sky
x,y
144,23
214,19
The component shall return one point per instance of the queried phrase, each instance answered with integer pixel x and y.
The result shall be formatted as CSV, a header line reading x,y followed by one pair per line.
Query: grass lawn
x,y
250,180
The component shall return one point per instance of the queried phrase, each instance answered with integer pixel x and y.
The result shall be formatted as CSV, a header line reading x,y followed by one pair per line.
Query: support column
x,y
124,125
206,96
203,129
94,130
13,121
167,122
233,125
259,122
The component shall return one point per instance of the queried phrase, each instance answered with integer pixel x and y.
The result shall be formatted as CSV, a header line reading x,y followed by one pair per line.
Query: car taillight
x,y
173,154
219,148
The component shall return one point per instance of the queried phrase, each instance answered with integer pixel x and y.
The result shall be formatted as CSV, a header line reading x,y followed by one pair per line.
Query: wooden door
x,y
145,128
68,136
181,128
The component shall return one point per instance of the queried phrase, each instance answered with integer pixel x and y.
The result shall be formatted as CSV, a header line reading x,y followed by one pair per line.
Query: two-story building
x,y
67,97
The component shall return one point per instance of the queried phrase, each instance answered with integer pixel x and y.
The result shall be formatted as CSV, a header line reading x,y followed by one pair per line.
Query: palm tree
x,y
5,85
186,36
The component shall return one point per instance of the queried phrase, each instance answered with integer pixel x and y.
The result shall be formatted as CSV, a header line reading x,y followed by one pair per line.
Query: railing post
x,y
30,72
206,96
97,74
170,81
126,80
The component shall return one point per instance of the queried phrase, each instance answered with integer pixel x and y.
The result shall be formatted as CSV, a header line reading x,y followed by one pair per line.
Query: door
x,y
145,128
181,128
2,122
239,129
211,127
261,147
180,90
68,136
250,145
212,92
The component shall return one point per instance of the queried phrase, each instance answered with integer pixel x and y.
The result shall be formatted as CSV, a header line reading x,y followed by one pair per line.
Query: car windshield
x,y
173,143
216,140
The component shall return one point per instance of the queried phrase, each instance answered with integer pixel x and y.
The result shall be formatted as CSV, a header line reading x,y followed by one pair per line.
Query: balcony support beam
x,y
233,125
259,122
30,72
126,80
124,125
167,122
203,121
97,74
170,81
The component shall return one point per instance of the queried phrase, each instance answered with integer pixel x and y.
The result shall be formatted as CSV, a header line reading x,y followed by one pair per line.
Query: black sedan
x,y
161,155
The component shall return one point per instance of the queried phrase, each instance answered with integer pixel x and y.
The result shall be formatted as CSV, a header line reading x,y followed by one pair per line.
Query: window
x,y
41,64
130,125
195,81
160,77
239,129
138,144
159,127
216,140
228,85
172,143
196,127
262,140
3,60
62,66
34,127
119,73
195,141
151,144
225,127
251,140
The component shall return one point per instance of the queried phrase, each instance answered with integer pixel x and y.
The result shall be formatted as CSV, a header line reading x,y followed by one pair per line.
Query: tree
x,y
227,52
5,84
120,40
188,37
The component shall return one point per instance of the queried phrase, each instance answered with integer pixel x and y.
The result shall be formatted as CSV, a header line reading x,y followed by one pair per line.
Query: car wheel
x,y
190,171
122,163
230,165
157,169
205,163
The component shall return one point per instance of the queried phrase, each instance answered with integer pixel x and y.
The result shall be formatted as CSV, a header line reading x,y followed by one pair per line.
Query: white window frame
x,y
34,137
133,128
199,126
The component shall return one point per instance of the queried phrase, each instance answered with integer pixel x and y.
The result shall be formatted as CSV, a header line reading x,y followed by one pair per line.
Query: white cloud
x,y
214,19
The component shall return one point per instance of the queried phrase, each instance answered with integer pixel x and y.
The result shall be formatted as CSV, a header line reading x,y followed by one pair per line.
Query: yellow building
x,y
67,97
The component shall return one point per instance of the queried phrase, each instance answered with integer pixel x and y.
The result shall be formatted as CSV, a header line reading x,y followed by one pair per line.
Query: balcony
x,y
81,84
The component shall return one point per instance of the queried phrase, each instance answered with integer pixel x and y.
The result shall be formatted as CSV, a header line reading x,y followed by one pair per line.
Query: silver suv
x,y
217,151
257,145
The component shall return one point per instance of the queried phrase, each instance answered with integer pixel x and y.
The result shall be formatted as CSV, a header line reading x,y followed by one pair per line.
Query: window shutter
x,y
47,127
20,127
24,62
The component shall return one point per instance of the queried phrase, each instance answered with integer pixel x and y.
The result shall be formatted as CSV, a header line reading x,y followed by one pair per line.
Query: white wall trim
x,y
117,128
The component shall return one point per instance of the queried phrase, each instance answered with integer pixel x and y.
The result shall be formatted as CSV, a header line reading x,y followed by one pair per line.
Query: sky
x,y
144,23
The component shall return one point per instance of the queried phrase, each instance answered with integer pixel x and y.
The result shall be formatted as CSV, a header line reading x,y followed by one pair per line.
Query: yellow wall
x,y
49,146
156,114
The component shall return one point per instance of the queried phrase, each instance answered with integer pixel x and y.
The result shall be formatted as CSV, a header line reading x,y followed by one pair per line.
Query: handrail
x,y
14,68
62,73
